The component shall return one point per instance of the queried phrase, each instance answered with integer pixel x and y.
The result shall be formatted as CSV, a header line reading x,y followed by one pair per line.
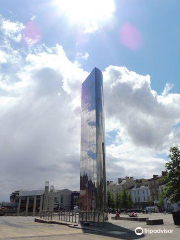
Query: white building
x,y
140,194
168,206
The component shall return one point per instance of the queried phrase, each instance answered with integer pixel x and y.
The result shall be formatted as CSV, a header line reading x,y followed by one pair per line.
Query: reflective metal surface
x,y
92,163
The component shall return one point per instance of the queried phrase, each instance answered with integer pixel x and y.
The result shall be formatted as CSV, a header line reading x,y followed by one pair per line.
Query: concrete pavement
x,y
26,228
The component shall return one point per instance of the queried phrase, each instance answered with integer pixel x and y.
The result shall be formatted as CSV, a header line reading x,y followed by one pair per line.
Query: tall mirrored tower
x,y
92,163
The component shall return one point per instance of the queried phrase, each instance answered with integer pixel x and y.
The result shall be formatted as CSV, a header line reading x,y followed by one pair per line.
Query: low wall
x,y
140,219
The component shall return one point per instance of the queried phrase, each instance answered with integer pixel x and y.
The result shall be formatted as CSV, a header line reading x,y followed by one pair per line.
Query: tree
x,y
111,200
150,203
117,200
172,178
129,201
123,199
161,200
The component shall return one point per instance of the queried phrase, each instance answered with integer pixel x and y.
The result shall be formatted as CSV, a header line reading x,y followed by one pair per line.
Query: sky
x,y
48,48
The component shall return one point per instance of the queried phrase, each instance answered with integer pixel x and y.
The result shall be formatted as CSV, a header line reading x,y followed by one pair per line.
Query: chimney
x,y
164,173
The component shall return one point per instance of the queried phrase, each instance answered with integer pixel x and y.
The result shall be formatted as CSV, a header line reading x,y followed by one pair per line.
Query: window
x,y
61,199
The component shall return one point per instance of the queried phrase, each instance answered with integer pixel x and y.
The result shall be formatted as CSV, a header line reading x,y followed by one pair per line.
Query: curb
x,y
137,219
154,222
40,220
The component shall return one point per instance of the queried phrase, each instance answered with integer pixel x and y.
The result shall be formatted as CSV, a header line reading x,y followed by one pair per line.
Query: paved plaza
x,y
26,228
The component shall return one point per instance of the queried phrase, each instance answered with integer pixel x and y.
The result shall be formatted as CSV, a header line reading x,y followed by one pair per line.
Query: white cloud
x,y
81,56
40,120
33,17
11,29
37,107
37,127
10,56
141,124
148,119
31,42
167,88
3,57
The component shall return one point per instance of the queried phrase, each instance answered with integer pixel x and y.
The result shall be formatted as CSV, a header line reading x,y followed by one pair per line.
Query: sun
x,y
89,13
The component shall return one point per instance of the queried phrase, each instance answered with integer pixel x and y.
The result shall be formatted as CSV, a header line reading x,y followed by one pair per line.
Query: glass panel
x,y
92,167
98,91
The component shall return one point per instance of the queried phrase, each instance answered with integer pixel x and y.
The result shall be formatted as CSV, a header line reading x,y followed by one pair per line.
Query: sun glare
x,y
90,13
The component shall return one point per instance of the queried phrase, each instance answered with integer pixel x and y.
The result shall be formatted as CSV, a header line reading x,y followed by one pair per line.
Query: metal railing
x,y
92,218
66,216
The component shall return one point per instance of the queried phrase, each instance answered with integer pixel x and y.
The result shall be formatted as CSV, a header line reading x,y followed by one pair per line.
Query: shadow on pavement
x,y
112,230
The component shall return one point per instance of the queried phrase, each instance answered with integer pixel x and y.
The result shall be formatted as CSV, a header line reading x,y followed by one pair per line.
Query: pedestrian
x,y
117,215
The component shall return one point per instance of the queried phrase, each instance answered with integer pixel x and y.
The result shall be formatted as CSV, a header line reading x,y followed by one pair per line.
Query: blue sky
x,y
47,49
157,21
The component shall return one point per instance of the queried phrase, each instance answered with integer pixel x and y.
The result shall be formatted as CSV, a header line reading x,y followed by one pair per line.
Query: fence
x,y
65,216
93,218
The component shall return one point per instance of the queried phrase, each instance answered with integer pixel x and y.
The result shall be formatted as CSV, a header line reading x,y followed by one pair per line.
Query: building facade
x,y
92,163
154,184
122,184
32,201
62,199
140,196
